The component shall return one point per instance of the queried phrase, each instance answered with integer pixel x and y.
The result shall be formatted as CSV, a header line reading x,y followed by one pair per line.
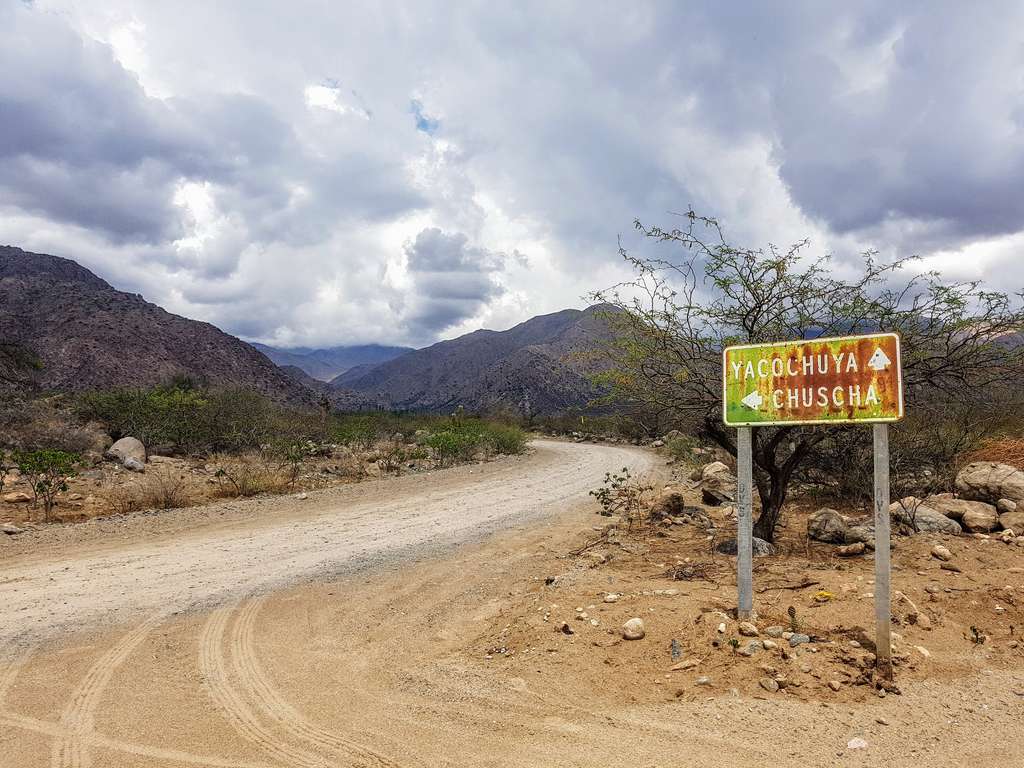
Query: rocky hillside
x,y
540,366
65,329
326,364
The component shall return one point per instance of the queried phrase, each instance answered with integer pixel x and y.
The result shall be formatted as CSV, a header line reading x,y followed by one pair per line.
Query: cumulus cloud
x,y
345,176
451,281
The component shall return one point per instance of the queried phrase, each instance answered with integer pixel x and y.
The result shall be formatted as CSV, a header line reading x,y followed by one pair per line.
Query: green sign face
x,y
815,381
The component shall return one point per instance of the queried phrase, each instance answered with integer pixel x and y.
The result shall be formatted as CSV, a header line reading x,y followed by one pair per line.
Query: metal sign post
x,y
744,523
883,569
850,379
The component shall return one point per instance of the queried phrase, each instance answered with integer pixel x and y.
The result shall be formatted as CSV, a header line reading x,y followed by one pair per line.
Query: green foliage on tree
x,y
672,320
47,472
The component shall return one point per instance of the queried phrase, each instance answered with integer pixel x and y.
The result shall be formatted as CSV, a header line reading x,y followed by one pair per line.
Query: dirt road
x,y
350,630
80,576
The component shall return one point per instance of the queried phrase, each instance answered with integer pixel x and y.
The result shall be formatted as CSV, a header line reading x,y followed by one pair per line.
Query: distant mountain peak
x,y
532,368
327,363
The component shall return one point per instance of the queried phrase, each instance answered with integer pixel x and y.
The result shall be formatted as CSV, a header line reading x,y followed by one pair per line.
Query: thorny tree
x,y
673,319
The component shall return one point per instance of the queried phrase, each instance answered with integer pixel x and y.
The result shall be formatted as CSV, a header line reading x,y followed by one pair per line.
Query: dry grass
x,y
159,488
162,488
1005,450
250,475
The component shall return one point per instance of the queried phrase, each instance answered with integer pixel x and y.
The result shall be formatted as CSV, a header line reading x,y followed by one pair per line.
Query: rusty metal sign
x,y
813,381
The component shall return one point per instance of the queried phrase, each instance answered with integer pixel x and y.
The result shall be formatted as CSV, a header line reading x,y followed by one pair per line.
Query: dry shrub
x,y
40,425
1005,450
348,464
162,488
250,475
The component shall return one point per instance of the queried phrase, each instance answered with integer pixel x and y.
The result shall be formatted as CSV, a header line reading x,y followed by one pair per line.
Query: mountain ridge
x,y
82,334
326,363
539,366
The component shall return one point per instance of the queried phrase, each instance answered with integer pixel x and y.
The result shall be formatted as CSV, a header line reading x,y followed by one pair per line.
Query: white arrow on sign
x,y
879,361
753,400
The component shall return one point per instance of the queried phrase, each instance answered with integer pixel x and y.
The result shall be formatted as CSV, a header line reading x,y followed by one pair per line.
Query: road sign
x,y
813,381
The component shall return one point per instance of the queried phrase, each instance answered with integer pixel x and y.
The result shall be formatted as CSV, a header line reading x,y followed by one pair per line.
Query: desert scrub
x,y
681,447
507,440
623,494
163,488
249,475
451,446
47,472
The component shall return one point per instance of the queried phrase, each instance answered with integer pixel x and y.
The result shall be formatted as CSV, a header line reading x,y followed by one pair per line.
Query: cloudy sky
x,y
323,173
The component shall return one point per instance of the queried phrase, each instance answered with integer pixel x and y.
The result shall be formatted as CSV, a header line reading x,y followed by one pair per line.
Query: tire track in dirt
x,y
78,718
349,527
269,700
58,731
232,704
10,673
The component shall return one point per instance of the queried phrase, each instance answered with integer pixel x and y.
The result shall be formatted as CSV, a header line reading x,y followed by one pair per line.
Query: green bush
x,y
187,420
47,472
681,448
182,418
450,446
507,440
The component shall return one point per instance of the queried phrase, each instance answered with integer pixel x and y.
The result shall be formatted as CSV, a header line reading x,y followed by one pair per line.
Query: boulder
x,y
127,448
718,484
916,516
760,547
990,481
669,502
861,534
955,509
1006,505
827,525
980,520
633,629
11,529
1013,521
18,497
134,464
851,550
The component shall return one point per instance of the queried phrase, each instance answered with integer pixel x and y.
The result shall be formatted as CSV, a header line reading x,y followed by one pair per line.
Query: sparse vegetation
x,y
162,488
5,467
673,320
47,472
624,495
250,475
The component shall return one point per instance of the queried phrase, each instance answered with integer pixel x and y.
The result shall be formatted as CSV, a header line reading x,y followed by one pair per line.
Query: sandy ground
x,y
412,622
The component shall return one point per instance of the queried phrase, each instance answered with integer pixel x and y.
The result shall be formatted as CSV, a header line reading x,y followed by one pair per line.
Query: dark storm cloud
x,y
263,171
452,280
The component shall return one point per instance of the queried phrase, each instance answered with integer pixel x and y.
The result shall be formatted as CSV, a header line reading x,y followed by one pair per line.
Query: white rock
x,y
633,629
942,553
748,629
127,448
612,597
